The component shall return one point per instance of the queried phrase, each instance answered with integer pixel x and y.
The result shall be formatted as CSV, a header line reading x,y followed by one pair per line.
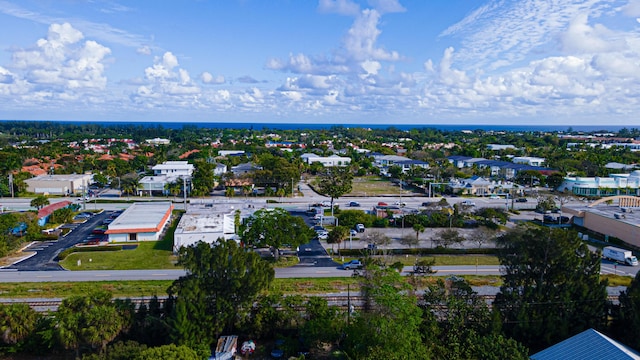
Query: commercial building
x,y
72,184
209,222
326,161
616,216
142,221
615,184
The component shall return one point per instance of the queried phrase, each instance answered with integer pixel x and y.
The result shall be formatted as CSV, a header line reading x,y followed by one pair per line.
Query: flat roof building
x,y
59,184
209,222
142,221
616,216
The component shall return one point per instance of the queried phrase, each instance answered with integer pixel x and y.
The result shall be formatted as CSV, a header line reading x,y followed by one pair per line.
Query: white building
x,y
615,184
166,173
388,160
529,160
209,222
326,161
140,222
230,152
158,141
72,184
500,147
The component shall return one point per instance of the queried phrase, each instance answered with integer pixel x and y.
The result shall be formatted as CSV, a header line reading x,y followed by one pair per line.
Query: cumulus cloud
x,y
580,37
207,78
360,42
62,62
167,85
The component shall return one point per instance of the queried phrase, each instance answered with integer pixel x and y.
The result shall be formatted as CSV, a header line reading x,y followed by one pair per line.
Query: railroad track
x,y
341,301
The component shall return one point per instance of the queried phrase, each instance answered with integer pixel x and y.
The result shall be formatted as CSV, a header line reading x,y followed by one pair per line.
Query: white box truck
x,y
619,255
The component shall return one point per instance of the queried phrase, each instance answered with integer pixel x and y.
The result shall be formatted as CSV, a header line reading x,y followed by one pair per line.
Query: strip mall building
x,y
142,221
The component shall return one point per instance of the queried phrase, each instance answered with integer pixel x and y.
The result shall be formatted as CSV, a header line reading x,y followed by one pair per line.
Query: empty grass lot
x,y
148,255
374,186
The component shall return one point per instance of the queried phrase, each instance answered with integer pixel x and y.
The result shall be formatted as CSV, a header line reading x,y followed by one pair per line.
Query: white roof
x,y
142,215
167,165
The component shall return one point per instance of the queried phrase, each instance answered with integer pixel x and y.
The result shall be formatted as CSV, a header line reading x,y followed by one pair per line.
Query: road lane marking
x,y
103,275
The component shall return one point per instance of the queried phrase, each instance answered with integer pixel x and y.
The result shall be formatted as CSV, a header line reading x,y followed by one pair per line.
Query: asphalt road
x,y
298,271
46,252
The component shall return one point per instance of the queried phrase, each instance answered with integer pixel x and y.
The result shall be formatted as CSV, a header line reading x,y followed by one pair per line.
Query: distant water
x,y
316,126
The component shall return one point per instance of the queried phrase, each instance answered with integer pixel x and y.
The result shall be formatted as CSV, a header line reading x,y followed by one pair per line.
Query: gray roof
x,y
588,345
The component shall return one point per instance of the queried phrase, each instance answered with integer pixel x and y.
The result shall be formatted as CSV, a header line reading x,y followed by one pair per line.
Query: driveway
x,y
47,251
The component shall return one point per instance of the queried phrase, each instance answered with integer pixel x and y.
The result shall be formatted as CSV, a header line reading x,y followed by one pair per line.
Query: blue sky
x,y
537,62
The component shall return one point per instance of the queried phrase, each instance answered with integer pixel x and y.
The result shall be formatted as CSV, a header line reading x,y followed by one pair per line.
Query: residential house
x,y
326,161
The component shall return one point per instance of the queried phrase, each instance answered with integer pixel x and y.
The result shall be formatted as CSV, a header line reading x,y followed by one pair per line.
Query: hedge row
x,y
74,249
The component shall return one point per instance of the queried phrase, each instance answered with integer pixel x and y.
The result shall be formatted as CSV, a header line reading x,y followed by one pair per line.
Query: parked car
x,y
353,232
360,228
351,265
494,197
382,203
521,200
400,203
323,236
468,203
354,204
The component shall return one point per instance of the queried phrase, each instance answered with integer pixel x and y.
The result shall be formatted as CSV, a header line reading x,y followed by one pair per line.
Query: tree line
x,y
551,289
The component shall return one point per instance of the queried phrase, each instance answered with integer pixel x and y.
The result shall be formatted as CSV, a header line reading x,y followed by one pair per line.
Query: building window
x,y
133,237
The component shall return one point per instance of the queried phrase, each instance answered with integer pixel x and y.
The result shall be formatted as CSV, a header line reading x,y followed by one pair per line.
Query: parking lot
x,y
47,251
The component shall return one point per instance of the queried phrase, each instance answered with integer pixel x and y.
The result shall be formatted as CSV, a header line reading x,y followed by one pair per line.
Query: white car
x,y
468,203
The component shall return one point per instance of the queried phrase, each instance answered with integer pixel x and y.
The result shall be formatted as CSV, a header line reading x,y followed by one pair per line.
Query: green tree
x,y
203,179
554,180
64,215
388,327
87,321
169,352
17,322
222,282
335,182
39,202
448,237
551,286
275,228
337,235
627,324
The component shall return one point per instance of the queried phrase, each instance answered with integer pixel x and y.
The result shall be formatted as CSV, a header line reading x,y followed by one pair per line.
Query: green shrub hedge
x,y
74,249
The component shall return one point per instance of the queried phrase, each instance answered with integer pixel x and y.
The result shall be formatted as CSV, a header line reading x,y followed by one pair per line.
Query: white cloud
x,y
62,62
144,50
207,78
168,85
342,7
97,30
582,38
387,6
360,42
506,32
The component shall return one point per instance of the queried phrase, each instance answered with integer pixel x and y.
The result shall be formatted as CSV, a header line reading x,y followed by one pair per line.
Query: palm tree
x,y
39,202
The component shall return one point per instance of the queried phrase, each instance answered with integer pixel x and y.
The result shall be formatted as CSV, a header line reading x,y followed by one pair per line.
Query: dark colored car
x,y
521,200
354,204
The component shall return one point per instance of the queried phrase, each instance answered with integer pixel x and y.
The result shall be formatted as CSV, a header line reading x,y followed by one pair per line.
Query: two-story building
x,y
163,174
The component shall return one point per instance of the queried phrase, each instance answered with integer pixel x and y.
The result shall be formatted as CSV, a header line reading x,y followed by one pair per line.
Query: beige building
x,y
616,216
73,184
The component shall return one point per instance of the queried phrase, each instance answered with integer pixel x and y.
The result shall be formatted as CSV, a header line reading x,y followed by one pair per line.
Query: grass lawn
x,y
441,260
148,255
374,185
301,286
121,289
